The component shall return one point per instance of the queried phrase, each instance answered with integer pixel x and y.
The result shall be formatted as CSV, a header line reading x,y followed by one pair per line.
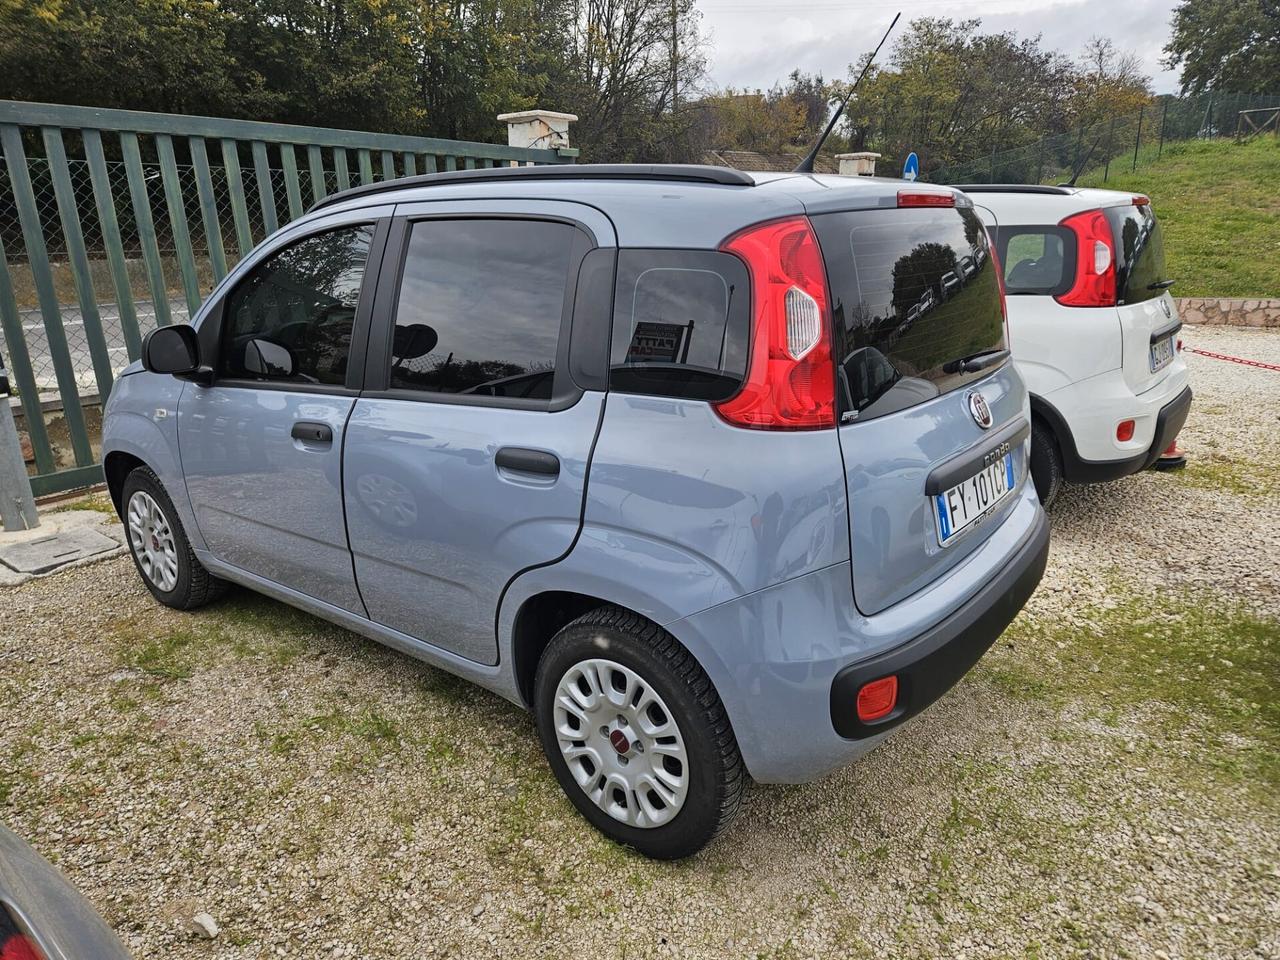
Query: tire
x,y
623,667
1046,463
160,548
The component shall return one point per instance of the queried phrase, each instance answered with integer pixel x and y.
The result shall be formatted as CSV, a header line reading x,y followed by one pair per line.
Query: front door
x,y
262,447
466,456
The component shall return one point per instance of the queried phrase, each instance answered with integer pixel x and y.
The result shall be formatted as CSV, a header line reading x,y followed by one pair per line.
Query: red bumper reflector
x,y
877,698
1124,430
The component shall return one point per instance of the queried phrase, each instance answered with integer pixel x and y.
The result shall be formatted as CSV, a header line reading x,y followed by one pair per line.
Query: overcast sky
x,y
755,43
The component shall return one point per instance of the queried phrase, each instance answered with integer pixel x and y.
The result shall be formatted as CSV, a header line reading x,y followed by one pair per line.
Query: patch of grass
x,y
1245,479
1209,668
1218,202
99,502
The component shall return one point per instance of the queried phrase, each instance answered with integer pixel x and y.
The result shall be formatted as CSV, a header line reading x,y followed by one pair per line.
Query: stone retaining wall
x,y
1248,312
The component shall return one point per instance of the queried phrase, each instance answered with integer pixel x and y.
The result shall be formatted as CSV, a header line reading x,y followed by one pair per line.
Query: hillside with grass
x,y
1219,202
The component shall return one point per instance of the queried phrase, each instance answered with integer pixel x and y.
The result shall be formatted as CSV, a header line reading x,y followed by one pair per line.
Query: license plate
x,y
1161,354
973,498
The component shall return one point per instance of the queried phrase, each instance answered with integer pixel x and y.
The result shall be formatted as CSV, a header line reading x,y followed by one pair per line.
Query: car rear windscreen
x,y
913,292
1140,270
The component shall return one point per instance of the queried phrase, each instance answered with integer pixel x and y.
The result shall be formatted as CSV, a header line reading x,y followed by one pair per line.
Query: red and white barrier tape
x,y
1222,356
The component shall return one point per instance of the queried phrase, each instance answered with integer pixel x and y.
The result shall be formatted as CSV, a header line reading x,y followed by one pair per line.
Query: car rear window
x,y
681,324
1140,269
913,292
1037,260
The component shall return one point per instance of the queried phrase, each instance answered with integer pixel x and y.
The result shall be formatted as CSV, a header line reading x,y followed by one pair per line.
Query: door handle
x,y
523,460
309,431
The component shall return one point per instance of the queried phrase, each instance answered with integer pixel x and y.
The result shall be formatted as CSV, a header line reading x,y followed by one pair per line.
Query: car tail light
x,y
1141,201
922,198
1095,280
1124,431
790,382
877,698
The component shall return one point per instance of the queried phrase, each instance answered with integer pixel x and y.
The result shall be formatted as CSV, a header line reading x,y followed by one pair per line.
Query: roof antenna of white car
x,y
806,165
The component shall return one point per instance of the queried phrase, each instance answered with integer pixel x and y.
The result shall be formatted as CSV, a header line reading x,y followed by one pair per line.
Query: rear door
x,y
932,414
466,455
1149,320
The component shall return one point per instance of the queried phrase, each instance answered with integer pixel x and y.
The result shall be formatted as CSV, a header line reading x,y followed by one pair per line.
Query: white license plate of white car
x,y
973,498
1162,353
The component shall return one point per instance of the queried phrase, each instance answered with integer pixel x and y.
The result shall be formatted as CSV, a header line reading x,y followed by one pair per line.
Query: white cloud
x,y
756,43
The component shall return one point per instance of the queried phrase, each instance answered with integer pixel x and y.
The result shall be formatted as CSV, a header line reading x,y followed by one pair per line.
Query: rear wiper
x,y
1161,284
977,361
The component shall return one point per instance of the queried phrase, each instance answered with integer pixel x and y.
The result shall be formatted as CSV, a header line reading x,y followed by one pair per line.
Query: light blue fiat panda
x,y
718,474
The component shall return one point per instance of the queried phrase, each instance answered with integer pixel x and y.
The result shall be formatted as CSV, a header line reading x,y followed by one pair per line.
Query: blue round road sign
x,y
911,169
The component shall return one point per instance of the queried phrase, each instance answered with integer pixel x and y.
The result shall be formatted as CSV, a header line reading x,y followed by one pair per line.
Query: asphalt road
x,y
82,361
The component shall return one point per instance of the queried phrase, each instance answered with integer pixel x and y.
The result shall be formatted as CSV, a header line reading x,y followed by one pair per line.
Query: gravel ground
x,y
1104,784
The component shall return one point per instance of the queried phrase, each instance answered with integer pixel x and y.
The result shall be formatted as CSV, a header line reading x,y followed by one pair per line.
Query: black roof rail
x,y
683,172
1012,188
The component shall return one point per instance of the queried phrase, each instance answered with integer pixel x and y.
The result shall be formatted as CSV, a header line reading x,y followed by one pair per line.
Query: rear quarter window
x,y
1037,260
681,324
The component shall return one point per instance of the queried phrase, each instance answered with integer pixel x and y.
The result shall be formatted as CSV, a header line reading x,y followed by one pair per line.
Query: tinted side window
x,y
681,324
1037,260
1139,243
480,307
290,320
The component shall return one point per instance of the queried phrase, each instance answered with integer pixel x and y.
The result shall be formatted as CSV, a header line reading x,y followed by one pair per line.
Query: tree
x,y
1110,83
1227,45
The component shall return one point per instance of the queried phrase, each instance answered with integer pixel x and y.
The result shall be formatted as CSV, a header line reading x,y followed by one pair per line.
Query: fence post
x,y
1137,141
1111,132
1040,161
1164,116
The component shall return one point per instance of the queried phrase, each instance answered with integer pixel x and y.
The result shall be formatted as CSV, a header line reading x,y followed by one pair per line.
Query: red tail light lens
x,y
1124,430
790,383
1095,282
877,698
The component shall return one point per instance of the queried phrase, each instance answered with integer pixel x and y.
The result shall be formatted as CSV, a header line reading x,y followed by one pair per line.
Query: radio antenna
x,y
806,165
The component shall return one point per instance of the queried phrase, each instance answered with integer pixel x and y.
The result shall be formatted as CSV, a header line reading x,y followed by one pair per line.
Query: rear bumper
x,y
775,655
1164,420
932,663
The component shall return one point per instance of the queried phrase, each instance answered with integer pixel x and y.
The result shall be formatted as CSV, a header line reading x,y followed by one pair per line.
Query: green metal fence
x,y
115,221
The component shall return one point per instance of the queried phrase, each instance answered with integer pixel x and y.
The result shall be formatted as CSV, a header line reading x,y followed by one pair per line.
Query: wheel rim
x,y
621,743
151,537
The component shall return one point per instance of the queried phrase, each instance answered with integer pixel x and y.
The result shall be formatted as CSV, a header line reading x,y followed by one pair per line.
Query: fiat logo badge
x,y
980,409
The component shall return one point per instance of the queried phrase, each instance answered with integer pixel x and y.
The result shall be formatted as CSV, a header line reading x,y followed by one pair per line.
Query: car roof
x,y
672,205
1015,204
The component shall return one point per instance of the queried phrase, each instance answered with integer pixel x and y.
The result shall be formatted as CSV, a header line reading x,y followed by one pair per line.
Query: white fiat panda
x,y
1093,329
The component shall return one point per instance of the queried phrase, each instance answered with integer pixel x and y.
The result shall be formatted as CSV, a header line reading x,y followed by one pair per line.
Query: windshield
x,y
912,291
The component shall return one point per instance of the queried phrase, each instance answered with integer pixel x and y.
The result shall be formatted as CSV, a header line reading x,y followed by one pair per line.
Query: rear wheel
x,y
1046,463
636,734
160,548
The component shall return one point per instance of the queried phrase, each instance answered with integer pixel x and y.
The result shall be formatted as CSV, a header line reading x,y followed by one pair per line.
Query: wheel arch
x,y
117,465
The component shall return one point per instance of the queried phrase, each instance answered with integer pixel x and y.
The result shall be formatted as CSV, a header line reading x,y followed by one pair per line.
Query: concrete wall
x,y
1246,312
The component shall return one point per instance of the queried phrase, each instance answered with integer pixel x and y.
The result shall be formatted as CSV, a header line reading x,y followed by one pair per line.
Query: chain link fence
x,y
95,241
1119,142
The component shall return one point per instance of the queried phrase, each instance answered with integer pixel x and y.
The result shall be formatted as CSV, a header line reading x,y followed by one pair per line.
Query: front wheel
x,y
636,734
159,546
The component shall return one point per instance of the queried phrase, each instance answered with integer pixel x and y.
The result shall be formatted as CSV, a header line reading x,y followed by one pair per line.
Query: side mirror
x,y
268,359
174,350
